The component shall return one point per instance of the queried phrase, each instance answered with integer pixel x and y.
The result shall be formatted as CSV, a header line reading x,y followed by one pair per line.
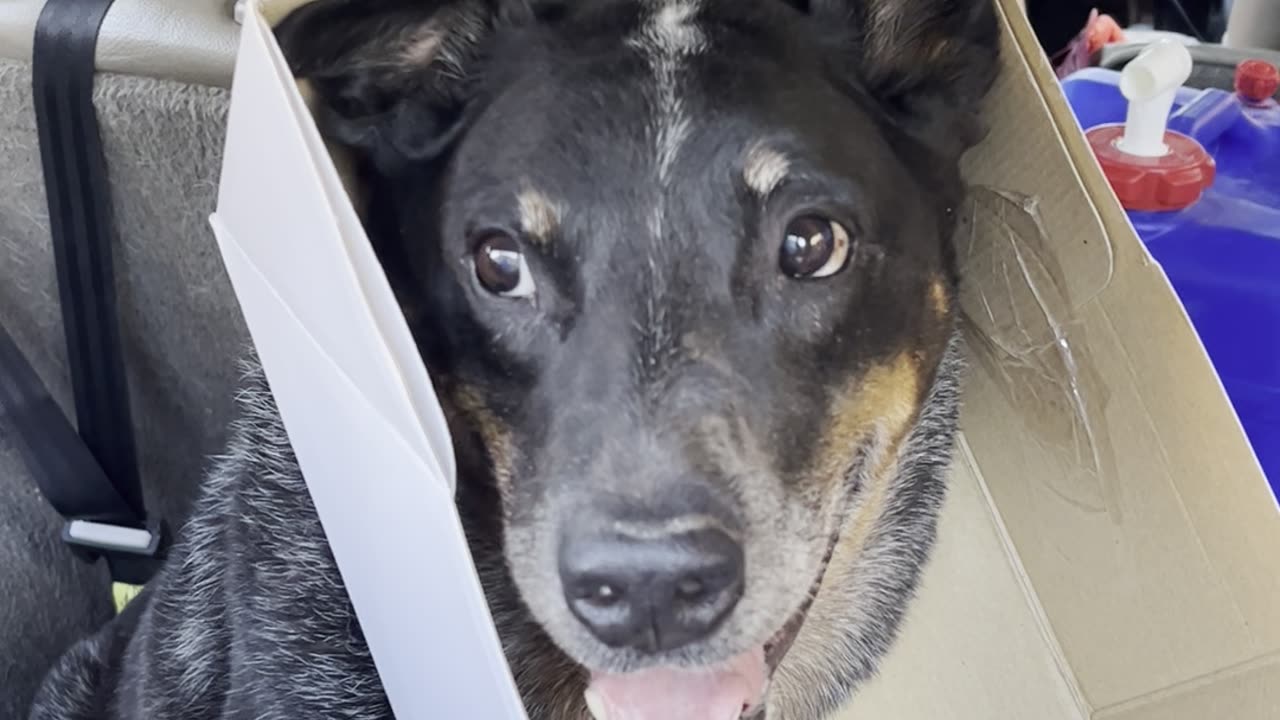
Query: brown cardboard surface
x,y
1110,549
1248,691
1141,568
975,645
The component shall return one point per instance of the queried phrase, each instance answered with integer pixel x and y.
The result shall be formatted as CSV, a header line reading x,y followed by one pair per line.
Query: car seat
x,y
161,97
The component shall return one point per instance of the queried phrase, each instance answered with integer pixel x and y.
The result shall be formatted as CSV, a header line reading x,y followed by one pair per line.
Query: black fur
x,y
648,156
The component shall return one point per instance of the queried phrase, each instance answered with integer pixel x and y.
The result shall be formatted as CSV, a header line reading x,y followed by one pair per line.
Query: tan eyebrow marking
x,y
540,216
764,168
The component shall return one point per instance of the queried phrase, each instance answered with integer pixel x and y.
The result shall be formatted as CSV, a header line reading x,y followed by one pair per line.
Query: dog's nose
x,y
652,595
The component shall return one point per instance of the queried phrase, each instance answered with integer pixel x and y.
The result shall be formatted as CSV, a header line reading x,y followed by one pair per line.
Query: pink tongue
x,y
673,694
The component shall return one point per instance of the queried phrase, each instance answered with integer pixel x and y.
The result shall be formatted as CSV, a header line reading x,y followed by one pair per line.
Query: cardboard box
x,y
1110,549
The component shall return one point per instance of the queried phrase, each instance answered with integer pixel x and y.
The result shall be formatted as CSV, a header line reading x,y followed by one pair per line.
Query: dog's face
x,y
683,268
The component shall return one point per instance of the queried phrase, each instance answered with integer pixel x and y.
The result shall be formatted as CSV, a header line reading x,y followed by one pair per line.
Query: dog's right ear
x,y
393,77
929,63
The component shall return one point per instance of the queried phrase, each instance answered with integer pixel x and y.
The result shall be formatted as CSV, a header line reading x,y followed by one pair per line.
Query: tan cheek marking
x,y
494,434
812,645
539,215
887,398
764,169
939,297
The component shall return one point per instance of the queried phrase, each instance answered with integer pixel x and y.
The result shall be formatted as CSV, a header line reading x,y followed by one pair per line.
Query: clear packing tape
x,y
1019,325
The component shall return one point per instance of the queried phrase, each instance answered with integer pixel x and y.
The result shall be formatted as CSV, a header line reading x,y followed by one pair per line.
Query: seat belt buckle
x,y
101,538
132,553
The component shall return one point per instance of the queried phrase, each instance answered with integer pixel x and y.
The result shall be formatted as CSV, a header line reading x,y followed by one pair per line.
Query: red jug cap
x,y
1170,182
1257,80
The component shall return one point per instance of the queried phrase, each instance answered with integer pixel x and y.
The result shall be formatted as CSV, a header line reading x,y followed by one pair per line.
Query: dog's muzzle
x,y
737,689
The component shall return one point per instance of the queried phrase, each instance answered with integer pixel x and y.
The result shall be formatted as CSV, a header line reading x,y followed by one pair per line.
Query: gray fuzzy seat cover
x,y
180,324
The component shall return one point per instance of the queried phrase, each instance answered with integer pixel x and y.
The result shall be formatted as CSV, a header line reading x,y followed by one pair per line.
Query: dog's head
x,y
683,267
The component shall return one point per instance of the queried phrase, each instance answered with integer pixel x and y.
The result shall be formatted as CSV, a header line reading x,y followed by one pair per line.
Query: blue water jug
x,y
1216,234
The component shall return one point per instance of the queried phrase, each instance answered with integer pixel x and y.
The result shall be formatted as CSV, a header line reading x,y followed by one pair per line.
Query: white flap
x,y
278,179
361,414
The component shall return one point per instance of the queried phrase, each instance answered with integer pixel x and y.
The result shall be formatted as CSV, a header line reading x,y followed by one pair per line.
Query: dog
x,y
682,273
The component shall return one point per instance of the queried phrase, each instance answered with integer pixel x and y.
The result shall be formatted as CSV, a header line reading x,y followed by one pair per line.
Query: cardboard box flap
x,y
976,645
1112,457
342,298
361,415
1245,691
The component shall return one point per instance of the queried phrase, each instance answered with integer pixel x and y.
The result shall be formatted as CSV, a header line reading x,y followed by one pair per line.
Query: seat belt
x,y
99,521
90,477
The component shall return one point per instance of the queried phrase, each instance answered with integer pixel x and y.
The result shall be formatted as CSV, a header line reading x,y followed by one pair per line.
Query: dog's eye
x,y
501,267
813,247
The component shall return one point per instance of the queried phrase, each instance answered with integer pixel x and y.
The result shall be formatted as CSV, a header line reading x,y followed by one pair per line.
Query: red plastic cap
x,y
1257,80
1102,30
1169,182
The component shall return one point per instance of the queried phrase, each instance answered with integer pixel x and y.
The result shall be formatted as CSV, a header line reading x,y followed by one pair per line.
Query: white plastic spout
x,y
1149,83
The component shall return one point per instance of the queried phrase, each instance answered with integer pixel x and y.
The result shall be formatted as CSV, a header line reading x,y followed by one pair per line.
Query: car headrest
x,y
190,41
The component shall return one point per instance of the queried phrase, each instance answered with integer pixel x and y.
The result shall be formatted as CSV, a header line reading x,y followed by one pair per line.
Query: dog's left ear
x,y
928,62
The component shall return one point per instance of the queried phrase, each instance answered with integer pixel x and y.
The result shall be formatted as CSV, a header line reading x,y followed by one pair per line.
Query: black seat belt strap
x,y
67,473
69,476
81,224
105,508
